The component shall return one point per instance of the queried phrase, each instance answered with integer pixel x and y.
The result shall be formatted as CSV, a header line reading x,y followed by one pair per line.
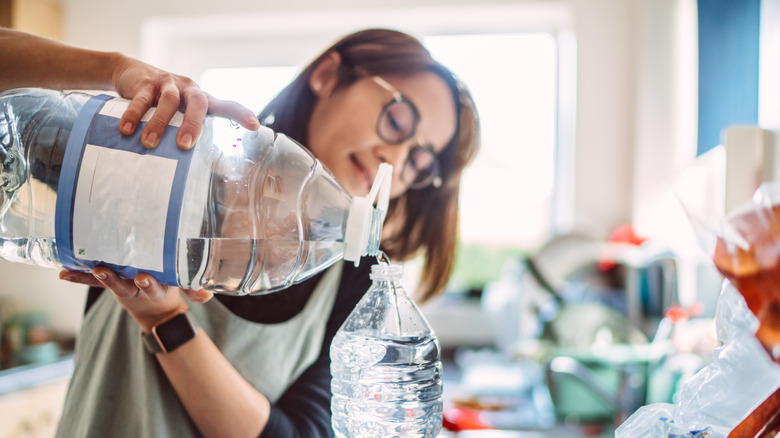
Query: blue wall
x,y
728,67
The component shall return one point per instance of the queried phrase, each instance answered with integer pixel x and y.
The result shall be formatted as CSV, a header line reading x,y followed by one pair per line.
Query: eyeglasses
x,y
398,123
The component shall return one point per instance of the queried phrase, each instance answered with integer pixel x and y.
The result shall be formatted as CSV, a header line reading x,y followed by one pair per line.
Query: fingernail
x,y
127,128
142,283
186,141
99,275
151,140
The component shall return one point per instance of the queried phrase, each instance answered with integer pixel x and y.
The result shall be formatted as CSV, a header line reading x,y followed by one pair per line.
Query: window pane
x,y
506,195
252,87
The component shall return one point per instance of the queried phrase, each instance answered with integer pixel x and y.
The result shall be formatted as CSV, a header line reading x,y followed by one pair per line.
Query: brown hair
x,y
423,220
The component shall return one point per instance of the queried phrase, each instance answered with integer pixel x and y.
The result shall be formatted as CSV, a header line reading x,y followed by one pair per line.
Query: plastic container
x,y
243,212
386,365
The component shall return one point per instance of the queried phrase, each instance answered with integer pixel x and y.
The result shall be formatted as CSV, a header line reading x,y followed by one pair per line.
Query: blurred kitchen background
x,y
581,290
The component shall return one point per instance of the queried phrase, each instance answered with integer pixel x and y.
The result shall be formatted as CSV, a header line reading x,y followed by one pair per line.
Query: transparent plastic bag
x,y
745,371
721,394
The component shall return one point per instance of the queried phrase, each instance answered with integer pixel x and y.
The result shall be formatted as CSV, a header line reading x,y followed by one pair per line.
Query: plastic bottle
x,y
386,365
242,212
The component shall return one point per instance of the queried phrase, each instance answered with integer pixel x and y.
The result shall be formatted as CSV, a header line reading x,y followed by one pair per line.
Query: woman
x,y
423,214
259,365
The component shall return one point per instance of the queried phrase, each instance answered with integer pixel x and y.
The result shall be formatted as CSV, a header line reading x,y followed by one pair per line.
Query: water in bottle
x,y
386,365
242,212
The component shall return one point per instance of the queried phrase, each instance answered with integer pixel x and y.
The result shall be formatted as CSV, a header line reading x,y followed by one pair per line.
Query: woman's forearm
x,y
218,399
31,61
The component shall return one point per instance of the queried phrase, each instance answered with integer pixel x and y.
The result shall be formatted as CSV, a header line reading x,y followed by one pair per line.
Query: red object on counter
x,y
621,234
457,418
678,313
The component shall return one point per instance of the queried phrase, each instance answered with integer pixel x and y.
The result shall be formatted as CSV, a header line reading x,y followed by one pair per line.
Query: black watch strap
x,y
171,334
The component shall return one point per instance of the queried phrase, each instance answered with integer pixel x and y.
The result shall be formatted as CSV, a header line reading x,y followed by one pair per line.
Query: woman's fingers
x,y
121,287
148,87
80,278
142,285
149,287
139,105
196,106
234,111
146,300
168,102
200,296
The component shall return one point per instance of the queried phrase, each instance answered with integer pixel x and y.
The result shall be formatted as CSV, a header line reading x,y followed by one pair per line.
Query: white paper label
x,y
118,206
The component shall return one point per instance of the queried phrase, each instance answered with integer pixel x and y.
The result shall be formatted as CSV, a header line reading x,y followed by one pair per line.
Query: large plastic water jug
x,y
242,212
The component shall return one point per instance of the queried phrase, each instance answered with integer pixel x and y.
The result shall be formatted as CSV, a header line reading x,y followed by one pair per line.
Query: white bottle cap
x,y
362,215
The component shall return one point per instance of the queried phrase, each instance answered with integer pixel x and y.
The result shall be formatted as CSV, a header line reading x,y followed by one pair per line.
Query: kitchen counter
x,y
26,376
503,398
32,396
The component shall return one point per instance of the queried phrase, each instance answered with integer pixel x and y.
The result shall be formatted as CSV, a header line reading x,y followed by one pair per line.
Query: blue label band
x,y
101,131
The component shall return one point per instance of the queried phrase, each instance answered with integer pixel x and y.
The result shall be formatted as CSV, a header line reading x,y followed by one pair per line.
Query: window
x,y
506,196
253,87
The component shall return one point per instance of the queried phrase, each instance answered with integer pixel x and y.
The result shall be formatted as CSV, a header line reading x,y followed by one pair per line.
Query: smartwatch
x,y
170,334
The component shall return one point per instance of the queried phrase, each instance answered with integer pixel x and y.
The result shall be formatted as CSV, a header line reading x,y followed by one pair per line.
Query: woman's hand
x,y
31,61
147,86
242,410
147,301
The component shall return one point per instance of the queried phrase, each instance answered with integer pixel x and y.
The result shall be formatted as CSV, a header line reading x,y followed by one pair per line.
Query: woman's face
x,y
343,128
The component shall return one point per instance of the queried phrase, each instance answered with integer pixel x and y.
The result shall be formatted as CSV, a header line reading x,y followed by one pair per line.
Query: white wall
x,y
633,109
664,137
26,288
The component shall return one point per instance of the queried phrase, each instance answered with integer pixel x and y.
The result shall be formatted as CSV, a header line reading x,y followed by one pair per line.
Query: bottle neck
x,y
386,272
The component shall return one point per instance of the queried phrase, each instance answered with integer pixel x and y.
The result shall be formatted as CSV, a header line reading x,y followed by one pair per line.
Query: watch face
x,y
175,332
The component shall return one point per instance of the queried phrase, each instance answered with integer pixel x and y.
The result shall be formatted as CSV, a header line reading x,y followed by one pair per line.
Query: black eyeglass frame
x,y
434,177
